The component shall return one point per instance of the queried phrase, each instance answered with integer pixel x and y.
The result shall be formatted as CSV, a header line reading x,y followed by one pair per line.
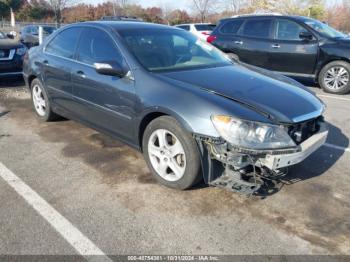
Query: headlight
x,y
21,51
251,135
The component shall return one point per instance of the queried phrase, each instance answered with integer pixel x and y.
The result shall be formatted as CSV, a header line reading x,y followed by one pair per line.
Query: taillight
x,y
211,39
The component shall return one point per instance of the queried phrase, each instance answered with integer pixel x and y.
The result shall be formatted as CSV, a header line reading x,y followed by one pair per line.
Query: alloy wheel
x,y
167,155
39,100
336,78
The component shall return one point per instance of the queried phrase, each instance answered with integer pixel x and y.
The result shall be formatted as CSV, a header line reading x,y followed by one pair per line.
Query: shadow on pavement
x,y
6,82
4,113
315,165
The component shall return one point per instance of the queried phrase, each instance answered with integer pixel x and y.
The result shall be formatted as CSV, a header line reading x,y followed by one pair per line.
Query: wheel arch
x,y
31,79
154,113
325,63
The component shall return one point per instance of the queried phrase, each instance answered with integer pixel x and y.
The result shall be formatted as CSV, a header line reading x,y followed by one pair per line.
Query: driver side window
x,y
97,46
288,30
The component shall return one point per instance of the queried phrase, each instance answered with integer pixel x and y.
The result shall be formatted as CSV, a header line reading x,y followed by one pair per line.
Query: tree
x,y
178,17
123,3
57,6
338,16
203,7
3,10
234,6
317,9
121,7
13,4
264,5
7,5
318,12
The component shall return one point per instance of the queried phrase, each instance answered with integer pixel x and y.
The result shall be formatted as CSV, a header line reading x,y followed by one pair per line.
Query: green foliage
x,y
318,11
32,13
6,5
14,4
4,10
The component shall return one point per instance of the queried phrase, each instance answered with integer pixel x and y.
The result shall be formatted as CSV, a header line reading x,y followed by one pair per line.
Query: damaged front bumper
x,y
243,170
274,162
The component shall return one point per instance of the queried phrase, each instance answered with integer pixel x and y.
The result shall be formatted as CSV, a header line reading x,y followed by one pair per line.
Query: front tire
x,y
335,77
171,153
41,102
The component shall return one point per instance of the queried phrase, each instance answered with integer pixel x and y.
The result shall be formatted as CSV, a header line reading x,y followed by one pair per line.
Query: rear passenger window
x,y
64,43
288,30
231,27
97,46
259,28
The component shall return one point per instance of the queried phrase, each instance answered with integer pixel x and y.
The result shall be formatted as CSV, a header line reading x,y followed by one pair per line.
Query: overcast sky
x,y
181,4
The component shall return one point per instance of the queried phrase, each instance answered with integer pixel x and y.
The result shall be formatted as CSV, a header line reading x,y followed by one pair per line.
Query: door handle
x,y
239,42
81,74
276,46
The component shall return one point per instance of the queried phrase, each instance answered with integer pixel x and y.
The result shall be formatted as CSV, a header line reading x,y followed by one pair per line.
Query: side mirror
x,y
110,69
306,36
11,36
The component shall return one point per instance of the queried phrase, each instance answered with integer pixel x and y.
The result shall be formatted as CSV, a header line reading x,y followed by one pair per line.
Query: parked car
x,y
201,30
292,45
192,111
11,55
30,34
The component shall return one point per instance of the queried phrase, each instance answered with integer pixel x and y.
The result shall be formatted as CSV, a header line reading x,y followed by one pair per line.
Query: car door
x,y
289,53
227,38
56,63
106,102
255,41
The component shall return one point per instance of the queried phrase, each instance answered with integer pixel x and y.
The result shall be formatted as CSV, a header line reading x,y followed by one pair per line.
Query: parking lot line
x,y
69,232
346,149
335,97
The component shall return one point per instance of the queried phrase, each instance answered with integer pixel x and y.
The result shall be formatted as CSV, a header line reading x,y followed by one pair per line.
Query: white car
x,y
200,30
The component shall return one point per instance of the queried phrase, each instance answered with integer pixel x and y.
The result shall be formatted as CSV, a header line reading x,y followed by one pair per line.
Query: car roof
x,y
252,16
36,25
123,25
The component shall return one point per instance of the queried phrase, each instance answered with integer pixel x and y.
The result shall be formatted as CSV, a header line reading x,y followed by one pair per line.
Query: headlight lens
x,y
251,135
21,51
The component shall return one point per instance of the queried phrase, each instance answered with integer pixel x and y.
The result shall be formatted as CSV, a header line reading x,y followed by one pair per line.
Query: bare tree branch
x,y
58,6
203,8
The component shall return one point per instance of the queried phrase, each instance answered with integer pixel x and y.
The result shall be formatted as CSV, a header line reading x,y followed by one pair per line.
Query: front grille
x,y
7,54
302,131
4,53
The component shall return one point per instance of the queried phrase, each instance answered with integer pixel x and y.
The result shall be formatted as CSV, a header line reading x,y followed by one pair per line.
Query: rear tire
x,y
334,77
41,102
171,153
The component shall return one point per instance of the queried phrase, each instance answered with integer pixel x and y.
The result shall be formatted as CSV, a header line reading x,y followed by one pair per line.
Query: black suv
x,y
292,45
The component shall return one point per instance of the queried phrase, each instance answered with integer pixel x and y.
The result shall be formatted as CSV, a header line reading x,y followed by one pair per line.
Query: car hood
x,y
344,41
269,94
9,44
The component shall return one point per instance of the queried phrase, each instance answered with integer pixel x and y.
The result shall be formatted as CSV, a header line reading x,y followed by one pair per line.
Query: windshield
x,y
323,28
2,35
170,50
205,27
47,30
